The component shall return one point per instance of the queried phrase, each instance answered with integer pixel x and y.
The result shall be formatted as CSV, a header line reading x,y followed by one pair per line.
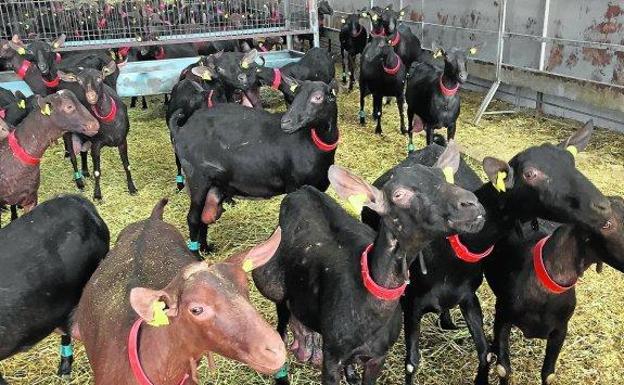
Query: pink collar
x,y
378,34
133,356
377,291
318,142
209,102
542,274
462,252
160,54
111,114
21,71
396,39
448,91
277,78
20,153
393,71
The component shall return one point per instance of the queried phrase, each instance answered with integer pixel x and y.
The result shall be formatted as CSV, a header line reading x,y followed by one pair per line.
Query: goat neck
x,y
32,137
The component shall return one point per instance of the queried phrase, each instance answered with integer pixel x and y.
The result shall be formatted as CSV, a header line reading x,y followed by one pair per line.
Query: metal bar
x,y
544,34
314,25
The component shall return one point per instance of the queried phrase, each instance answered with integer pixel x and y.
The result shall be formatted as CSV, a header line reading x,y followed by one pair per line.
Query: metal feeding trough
x,y
103,24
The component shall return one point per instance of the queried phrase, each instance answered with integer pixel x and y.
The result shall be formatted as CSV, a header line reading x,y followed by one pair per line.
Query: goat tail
x,y
175,119
157,212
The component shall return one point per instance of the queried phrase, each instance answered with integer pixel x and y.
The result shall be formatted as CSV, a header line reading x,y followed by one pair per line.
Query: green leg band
x,y
193,246
67,351
283,372
78,175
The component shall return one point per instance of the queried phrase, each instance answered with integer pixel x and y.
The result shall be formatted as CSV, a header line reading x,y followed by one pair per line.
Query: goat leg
x,y
471,310
553,348
143,103
67,356
85,163
13,212
283,315
377,103
133,102
450,131
372,370
500,347
429,130
361,113
400,102
123,154
331,372
351,375
351,59
344,70
412,316
68,141
95,157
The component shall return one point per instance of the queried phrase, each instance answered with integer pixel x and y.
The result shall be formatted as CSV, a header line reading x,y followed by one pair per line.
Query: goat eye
x,y
197,310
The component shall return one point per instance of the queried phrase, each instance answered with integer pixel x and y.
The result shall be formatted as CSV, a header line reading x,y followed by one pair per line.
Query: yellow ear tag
x,y
449,175
293,88
244,65
364,14
402,13
22,104
437,54
56,45
113,56
21,51
357,202
500,181
160,318
260,45
473,51
248,265
206,76
46,110
375,17
572,150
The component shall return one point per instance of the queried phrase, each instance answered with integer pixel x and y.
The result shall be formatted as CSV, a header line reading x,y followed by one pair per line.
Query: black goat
x,y
189,96
14,108
110,111
401,38
58,245
337,277
533,277
381,74
432,94
353,37
316,65
96,60
230,150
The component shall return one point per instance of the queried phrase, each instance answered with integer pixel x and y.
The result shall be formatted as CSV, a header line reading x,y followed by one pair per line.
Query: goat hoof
x,y
491,358
97,197
501,371
362,121
550,380
180,186
207,248
86,173
133,190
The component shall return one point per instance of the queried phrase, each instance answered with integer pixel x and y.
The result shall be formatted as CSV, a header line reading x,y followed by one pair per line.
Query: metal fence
x,y
109,23
560,50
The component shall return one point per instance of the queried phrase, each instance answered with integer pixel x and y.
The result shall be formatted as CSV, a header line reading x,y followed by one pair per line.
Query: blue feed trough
x,y
153,77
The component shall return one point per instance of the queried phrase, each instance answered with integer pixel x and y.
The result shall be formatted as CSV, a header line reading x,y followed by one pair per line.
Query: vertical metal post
x,y
314,25
287,16
422,24
542,57
502,14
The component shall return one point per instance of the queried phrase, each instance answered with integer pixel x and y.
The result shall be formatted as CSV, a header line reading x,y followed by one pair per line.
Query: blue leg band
x,y
78,175
193,246
67,351
362,114
180,179
283,372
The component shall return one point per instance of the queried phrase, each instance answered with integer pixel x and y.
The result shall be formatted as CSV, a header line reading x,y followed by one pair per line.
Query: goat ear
x,y
147,304
40,100
4,129
205,73
357,191
109,69
499,173
249,58
59,42
67,77
437,50
293,84
258,255
449,159
580,139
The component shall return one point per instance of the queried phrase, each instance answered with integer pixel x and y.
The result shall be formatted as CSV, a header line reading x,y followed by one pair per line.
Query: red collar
x,y
393,71
448,91
111,115
20,153
209,102
396,39
318,142
377,291
277,78
21,71
123,51
160,54
540,270
462,252
133,356
377,34
52,83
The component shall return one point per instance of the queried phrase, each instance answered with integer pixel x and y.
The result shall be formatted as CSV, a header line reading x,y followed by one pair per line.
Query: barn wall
x,y
462,23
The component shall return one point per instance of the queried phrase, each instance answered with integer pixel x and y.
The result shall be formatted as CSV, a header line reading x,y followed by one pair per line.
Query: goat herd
x,y
147,310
